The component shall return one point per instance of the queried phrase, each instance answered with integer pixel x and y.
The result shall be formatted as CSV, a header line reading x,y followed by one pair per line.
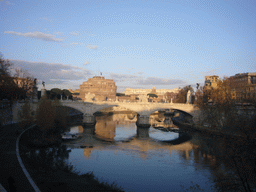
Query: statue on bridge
x,y
189,97
89,97
143,98
43,90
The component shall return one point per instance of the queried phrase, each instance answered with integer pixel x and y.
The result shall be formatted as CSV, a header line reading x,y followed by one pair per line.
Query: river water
x,y
157,159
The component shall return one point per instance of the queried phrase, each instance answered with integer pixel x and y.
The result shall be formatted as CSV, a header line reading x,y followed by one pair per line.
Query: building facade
x,y
130,91
102,89
163,95
244,85
211,81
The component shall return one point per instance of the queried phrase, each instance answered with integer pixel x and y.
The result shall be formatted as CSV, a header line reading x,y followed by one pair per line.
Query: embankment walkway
x,y
12,176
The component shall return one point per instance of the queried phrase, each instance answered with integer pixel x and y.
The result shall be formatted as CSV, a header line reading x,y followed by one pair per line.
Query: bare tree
x,y
5,66
24,81
12,88
8,89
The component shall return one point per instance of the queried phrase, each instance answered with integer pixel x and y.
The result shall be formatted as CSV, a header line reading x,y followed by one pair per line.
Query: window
x,y
253,80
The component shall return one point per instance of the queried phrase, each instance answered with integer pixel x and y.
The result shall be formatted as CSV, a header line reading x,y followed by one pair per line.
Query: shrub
x,y
50,118
25,115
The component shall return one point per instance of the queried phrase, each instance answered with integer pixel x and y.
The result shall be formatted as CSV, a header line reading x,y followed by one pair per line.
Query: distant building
x,y
130,91
103,89
211,81
75,93
244,85
163,95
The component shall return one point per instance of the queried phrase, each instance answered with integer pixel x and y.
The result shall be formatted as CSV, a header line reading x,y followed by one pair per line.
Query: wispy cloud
x,y
53,73
87,63
90,34
122,77
124,81
7,2
94,47
36,35
47,19
160,81
73,33
211,71
76,43
139,81
59,33
68,76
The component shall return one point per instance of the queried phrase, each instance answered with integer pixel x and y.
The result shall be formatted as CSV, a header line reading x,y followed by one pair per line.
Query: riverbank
x,y
12,176
50,172
210,131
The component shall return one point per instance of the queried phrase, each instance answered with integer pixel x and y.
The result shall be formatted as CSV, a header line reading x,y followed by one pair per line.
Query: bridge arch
x,y
143,110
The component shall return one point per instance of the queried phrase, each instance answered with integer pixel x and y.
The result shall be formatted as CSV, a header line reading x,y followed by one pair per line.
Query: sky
x,y
137,43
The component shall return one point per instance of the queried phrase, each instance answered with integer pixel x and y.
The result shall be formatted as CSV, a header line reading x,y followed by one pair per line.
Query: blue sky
x,y
138,43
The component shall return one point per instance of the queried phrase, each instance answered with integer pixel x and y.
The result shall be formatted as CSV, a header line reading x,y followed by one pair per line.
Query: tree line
x,y
17,84
57,93
14,86
221,111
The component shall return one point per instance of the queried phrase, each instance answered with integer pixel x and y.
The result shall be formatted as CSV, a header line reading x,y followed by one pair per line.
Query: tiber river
x,y
154,159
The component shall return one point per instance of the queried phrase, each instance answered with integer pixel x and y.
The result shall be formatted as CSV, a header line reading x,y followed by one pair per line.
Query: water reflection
x,y
114,127
52,158
138,159
122,127
231,161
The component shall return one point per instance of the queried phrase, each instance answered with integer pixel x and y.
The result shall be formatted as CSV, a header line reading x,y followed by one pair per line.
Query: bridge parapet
x,y
88,109
143,109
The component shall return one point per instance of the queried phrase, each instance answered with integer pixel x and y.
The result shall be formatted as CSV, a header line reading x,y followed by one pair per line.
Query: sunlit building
x,y
211,81
75,93
244,85
102,89
163,95
130,91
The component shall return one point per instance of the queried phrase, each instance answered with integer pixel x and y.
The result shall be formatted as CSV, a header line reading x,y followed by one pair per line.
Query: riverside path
x,y
12,176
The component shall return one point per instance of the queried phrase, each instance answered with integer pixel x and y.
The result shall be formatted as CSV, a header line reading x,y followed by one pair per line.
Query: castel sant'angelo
x,y
101,88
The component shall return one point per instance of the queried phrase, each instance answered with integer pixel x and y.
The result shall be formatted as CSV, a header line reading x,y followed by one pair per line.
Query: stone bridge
x,y
143,109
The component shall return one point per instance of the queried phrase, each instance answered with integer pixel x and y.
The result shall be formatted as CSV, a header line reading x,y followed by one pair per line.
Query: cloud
x,y
76,43
140,81
124,81
59,33
36,35
68,76
94,47
47,19
73,33
90,35
160,81
54,73
211,71
8,2
122,77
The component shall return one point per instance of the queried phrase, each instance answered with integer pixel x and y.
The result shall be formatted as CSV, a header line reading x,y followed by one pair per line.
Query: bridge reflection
x,y
114,127
120,130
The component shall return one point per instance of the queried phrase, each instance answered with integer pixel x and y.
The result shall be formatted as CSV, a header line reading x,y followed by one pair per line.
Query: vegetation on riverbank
x,y
51,120
237,171
220,112
25,115
235,121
